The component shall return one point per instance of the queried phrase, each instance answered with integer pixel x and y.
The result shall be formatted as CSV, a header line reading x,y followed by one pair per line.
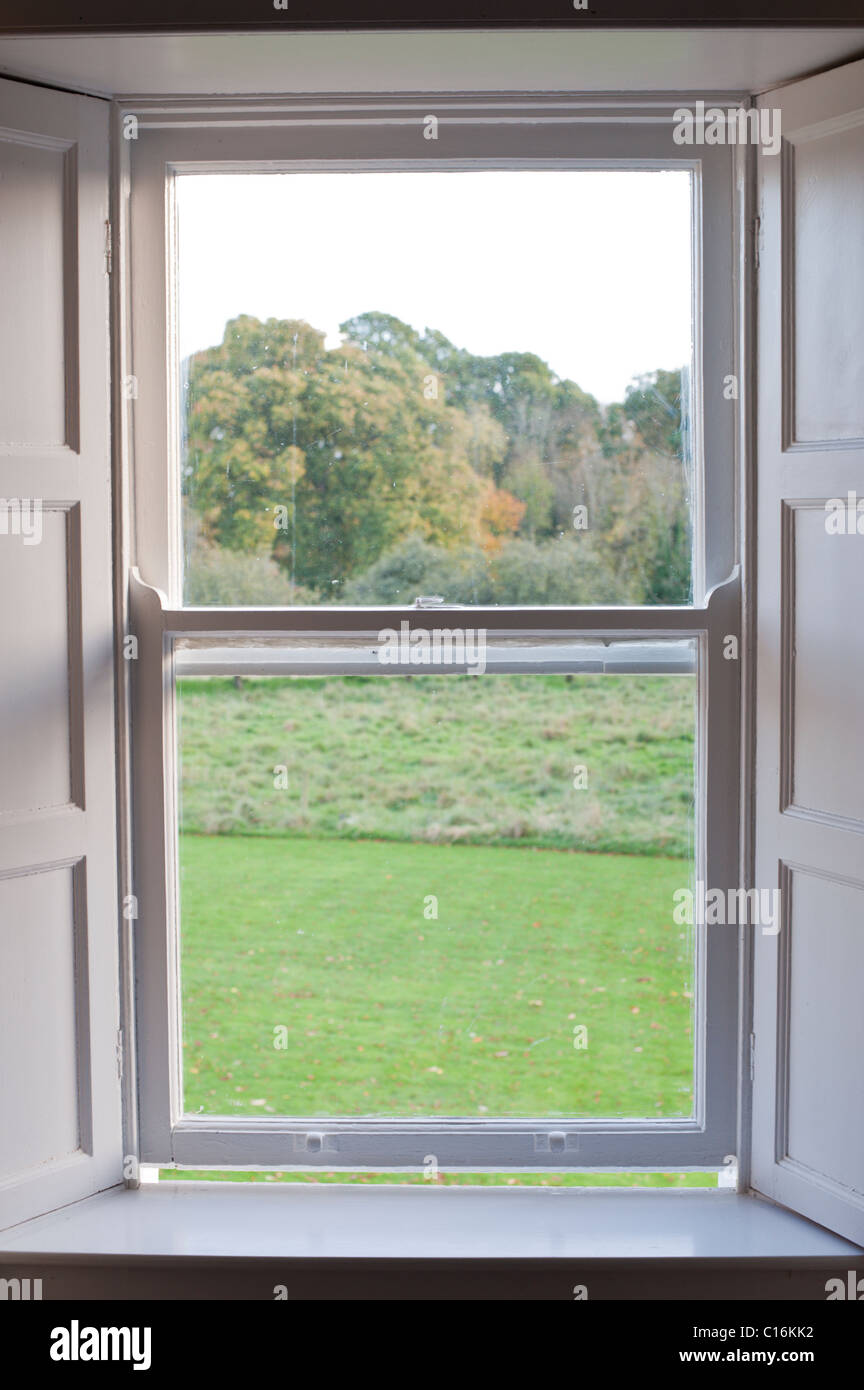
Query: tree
x,y
333,463
326,459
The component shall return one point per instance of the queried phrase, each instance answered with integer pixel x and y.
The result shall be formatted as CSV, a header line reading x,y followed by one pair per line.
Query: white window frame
x,y
306,134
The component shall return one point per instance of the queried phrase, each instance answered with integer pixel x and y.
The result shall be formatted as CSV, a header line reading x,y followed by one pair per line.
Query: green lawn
x,y
388,1012
453,1179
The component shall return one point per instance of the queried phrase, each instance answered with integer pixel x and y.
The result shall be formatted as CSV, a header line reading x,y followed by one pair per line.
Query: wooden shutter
x,y
808,1113
60,1128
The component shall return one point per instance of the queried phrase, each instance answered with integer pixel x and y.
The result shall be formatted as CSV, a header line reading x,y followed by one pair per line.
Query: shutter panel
x,y
60,1122
808,1110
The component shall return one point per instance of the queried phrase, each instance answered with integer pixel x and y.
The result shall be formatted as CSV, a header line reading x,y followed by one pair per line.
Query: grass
x,y
665,1180
388,1012
444,760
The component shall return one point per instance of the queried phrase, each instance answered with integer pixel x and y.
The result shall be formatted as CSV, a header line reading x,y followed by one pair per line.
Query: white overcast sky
x,y
590,270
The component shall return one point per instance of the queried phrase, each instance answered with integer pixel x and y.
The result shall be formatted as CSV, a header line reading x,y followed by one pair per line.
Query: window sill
x,y
220,1221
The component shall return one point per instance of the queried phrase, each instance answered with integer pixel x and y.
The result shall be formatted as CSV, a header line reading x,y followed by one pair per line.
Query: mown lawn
x,y
453,1179
389,1012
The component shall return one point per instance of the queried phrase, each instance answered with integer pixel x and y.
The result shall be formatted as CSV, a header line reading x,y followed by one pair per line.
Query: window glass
x,y
469,384
437,895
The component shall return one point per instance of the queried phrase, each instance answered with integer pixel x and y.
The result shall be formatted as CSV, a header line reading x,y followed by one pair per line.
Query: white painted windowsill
x,y
224,1220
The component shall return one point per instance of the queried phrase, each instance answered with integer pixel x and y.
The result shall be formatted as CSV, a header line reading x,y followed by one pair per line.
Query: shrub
x,y
215,576
522,572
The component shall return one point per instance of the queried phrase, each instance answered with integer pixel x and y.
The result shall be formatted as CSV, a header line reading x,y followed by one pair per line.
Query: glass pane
x,y
470,384
437,896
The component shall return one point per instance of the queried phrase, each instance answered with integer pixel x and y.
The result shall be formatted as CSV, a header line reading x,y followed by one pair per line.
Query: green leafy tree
x,y
362,468
324,458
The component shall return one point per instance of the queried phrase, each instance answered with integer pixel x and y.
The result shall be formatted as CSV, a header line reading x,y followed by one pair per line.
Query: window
x,y
397,543
525,456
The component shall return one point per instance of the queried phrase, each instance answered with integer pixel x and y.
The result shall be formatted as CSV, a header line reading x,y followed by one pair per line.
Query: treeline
x,y
399,464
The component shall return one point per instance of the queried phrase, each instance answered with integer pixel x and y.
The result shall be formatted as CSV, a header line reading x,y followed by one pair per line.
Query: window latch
x,y
433,601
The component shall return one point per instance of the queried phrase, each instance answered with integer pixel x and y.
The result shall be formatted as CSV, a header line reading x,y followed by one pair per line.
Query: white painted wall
x,y
589,60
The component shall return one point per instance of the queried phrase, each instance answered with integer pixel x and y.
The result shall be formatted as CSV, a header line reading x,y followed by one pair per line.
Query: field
x,y
395,900
390,1013
444,759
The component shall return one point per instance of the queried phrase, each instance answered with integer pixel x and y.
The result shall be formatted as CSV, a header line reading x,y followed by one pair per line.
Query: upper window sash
x,y
554,132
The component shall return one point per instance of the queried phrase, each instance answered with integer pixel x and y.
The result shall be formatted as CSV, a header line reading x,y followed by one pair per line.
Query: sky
x,y
590,270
